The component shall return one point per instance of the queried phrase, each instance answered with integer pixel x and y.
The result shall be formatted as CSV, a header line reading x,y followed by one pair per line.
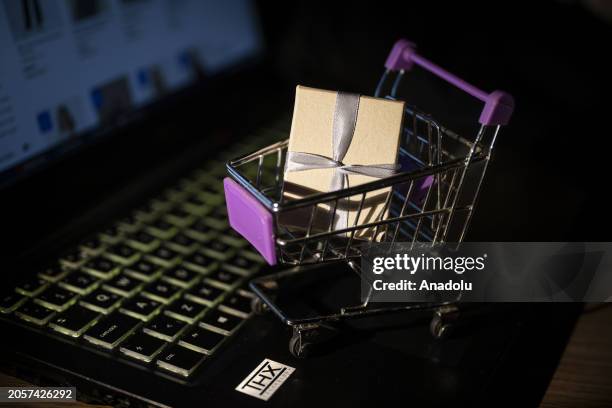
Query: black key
x,y
165,327
179,217
237,304
33,313
162,229
56,298
140,307
122,253
142,241
123,285
195,205
185,310
219,223
164,256
101,267
232,238
128,224
200,262
205,294
180,276
180,360
200,231
142,347
143,270
79,282
74,321
53,273
218,249
224,278
218,321
32,286
161,291
92,246
182,243
147,212
72,259
202,340
10,302
111,331
111,235
242,265
101,300
175,194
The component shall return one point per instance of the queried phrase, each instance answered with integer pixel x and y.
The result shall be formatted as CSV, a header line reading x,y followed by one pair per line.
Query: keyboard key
x,y
101,267
32,286
149,211
200,262
162,229
224,279
182,243
196,206
180,360
202,340
165,328
122,254
175,194
161,291
218,223
92,246
185,310
111,331
220,322
56,298
143,270
179,217
205,294
232,238
53,273
237,305
79,282
140,307
200,231
10,302
180,276
74,321
33,313
142,347
242,265
101,300
128,224
211,198
142,241
218,250
111,235
123,285
164,256
73,259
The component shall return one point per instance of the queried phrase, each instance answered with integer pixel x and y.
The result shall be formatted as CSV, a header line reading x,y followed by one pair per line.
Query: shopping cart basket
x,y
430,201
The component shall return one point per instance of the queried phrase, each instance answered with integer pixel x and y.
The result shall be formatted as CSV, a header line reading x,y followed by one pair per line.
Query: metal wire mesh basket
x,y
430,201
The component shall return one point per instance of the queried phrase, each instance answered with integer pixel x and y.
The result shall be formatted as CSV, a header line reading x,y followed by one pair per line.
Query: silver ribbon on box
x,y
343,129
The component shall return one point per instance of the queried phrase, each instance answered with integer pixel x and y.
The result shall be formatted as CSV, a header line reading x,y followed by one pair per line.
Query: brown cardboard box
x,y
375,141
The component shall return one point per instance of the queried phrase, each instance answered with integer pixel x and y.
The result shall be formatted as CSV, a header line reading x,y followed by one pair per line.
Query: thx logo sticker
x,y
263,382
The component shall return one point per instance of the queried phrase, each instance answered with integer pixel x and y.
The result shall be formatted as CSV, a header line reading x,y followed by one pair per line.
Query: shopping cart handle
x,y
499,105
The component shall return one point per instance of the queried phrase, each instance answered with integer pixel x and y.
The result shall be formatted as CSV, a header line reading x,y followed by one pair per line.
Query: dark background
x,y
548,180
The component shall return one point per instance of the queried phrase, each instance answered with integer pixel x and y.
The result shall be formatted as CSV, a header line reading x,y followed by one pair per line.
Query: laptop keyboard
x,y
164,286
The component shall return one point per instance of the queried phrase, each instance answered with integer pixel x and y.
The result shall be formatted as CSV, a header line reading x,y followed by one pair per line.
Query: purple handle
x,y
250,219
499,105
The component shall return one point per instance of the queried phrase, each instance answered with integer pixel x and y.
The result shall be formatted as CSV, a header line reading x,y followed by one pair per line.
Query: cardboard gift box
x,y
340,140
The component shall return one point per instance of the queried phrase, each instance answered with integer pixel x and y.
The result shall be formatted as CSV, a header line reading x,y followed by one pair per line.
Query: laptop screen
x,y
72,68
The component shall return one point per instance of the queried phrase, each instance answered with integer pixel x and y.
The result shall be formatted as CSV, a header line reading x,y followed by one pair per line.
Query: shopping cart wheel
x,y
443,321
258,306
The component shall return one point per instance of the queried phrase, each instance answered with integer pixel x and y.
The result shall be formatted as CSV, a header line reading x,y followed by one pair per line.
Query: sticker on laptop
x,y
263,381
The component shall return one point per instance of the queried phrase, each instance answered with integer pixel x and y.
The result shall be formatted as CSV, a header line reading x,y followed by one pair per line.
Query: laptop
x,y
121,275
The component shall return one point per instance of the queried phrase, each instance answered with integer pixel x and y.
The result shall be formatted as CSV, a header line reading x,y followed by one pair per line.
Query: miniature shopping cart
x,y
430,201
